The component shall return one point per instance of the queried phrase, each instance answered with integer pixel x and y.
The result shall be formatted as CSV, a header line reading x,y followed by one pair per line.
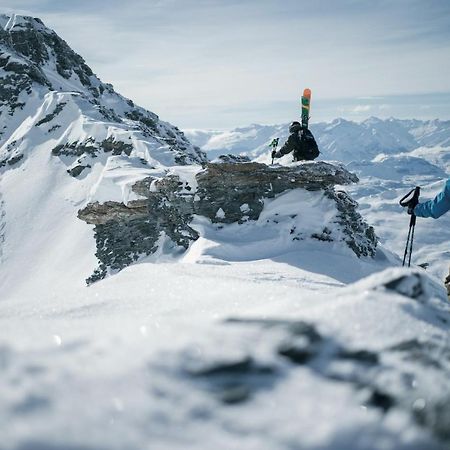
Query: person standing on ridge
x,y
434,208
301,142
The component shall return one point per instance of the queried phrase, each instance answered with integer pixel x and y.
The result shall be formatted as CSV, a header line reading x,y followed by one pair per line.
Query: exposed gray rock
x,y
90,147
231,159
76,149
116,147
49,117
32,40
101,213
15,159
230,185
359,237
415,285
126,232
77,170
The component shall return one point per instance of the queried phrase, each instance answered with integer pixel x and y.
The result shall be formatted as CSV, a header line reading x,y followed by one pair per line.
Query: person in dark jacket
x,y
435,208
301,142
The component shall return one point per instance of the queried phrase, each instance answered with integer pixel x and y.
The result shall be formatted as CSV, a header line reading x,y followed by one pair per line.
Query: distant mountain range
x,y
341,139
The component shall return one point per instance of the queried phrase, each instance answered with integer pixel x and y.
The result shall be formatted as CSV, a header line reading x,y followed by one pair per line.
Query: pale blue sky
x,y
225,63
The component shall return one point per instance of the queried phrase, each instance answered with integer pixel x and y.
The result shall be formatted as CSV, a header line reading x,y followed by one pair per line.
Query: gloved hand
x,y
411,205
411,200
276,154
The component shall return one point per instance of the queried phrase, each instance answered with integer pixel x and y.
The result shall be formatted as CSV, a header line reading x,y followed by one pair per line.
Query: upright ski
x,y
306,102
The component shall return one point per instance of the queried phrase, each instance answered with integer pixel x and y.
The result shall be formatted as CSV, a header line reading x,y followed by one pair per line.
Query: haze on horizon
x,y
226,63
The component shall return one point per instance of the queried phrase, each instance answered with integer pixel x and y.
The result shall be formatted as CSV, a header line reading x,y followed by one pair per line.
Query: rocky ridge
x,y
224,193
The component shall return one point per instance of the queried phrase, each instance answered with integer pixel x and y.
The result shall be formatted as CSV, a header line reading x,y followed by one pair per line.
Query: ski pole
x,y
410,201
274,145
410,240
413,227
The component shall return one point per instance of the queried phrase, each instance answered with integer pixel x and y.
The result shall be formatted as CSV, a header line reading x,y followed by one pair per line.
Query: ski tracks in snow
x,y
11,23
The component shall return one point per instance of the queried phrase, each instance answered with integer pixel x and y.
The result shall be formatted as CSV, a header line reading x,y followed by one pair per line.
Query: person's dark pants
x,y
447,284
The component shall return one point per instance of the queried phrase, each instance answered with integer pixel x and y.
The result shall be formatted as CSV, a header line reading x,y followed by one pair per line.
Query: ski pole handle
x,y
274,145
410,201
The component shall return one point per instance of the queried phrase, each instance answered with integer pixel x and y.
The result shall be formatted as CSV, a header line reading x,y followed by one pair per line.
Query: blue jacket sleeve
x,y
436,207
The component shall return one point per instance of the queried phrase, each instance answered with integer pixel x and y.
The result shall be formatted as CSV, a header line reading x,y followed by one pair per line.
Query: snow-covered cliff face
x,y
65,137
49,96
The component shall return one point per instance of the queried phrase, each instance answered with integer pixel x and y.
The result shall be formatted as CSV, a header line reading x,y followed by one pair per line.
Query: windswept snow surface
x,y
113,366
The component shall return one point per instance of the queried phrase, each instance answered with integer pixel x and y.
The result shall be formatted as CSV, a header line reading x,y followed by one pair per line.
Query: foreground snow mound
x,y
233,212
412,283
365,357
169,354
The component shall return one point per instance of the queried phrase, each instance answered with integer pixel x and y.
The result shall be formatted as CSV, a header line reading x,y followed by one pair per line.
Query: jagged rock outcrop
x,y
225,193
252,182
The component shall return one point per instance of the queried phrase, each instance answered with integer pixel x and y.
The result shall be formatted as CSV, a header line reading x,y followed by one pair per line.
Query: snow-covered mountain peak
x,y
26,41
50,95
13,21
372,120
